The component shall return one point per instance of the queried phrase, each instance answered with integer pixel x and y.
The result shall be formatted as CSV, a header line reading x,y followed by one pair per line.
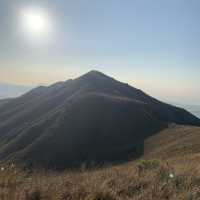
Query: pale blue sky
x,y
152,44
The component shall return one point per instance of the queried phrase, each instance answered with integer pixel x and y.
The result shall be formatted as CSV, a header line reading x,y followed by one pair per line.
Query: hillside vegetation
x,y
169,169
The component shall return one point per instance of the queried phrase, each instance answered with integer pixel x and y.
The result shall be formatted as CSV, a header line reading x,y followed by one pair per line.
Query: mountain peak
x,y
95,75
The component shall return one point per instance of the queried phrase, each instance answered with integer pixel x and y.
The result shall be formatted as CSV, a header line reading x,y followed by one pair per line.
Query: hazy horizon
x,y
153,46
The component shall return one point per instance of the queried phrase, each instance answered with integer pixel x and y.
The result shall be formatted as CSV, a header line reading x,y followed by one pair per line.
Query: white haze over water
x,y
194,109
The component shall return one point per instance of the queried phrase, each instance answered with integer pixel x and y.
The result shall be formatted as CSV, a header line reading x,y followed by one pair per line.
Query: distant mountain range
x,y
11,90
91,118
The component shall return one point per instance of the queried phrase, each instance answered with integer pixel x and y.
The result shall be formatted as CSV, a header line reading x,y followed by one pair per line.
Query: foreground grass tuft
x,y
147,165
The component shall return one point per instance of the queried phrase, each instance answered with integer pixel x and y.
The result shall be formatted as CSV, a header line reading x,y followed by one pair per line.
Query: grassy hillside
x,y
169,170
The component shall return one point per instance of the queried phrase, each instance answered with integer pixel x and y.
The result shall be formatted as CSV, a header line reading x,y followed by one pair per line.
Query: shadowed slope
x,y
93,127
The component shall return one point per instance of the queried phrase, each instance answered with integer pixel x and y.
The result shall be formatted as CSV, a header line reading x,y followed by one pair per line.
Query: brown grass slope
x,y
91,118
175,175
175,142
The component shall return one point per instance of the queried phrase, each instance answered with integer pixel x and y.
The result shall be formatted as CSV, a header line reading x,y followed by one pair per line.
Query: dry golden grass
x,y
125,182
172,178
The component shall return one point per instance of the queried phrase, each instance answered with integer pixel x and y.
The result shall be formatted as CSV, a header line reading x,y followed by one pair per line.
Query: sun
x,y
35,22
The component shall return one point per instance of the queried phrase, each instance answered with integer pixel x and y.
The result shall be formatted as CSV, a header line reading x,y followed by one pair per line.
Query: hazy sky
x,y
152,44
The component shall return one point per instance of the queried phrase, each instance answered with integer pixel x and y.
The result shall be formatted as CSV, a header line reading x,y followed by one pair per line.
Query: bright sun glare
x,y
35,21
